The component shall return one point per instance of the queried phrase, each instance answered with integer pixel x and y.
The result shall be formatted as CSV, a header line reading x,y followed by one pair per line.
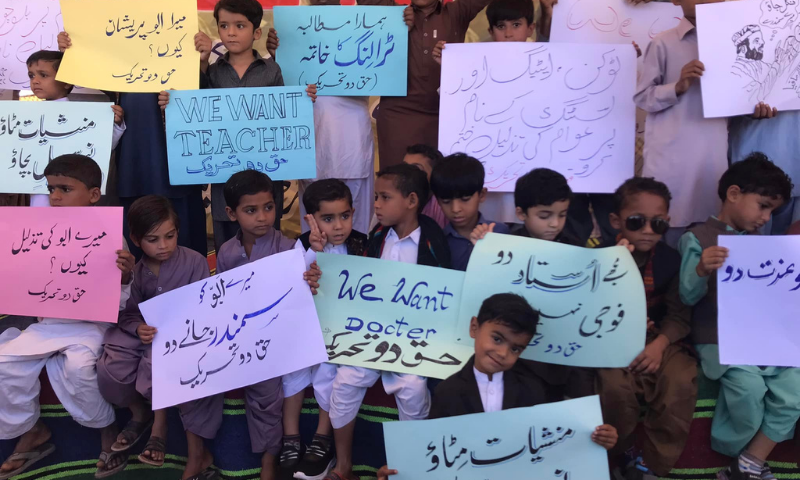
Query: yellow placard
x,y
131,45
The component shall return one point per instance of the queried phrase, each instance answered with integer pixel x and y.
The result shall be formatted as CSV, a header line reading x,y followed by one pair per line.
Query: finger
x,y
324,237
636,361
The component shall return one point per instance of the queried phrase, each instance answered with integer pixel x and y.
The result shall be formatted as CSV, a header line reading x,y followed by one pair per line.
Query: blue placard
x,y
346,51
212,134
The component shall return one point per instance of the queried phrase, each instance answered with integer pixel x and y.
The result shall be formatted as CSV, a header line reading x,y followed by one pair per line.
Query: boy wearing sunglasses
x,y
664,374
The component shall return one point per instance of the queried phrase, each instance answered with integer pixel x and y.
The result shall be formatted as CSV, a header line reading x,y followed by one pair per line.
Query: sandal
x,y
207,474
106,458
132,433
155,444
335,476
30,458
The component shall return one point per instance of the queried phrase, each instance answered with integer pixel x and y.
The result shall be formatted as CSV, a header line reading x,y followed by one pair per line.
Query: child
x,y
664,375
493,379
757,406
124,369
68,348
403,235
250,203
239,26
457,183
426,158
42,68
330,206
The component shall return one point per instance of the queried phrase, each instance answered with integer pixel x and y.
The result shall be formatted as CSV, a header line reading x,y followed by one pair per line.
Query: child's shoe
x,y
734,473
637,470
766,473
318,460
291,453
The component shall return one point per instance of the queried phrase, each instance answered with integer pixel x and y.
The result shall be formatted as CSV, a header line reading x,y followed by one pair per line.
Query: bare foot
x,y
141,413
197,466
36,436
159,430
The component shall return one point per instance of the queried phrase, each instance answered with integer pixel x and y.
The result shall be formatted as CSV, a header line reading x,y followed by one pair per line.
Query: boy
x,y
664,375
757,406
426,158
457,183
68,348
330,207
403,235
239,26
250,203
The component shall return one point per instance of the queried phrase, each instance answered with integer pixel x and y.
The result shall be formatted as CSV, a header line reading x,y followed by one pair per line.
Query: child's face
x,y
518,30
420,161
255,214
645,206
236,32
43,81
159,243
391,207
497,346
70,192
545,222
335,219
462,212
750,211
688,6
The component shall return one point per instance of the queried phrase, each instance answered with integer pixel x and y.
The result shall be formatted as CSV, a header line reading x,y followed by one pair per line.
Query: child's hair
x,y
328,190
46,56
246,182
249,8
457,175
541,186
79,167
511,310
502,10
434,156
147,213
636,185
408,179
756,174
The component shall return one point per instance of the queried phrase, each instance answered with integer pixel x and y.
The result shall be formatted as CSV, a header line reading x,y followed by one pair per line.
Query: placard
x,y
28,26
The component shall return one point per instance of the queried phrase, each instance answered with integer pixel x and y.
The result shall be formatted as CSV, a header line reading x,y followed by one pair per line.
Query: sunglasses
x,y
635,223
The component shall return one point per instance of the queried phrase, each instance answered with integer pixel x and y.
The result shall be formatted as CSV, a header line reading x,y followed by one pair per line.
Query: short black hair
x,y
246,182
249,8
52,56
79,167
502,10
541,186
457,175
408,179
511,310
756,174
433,155
328,190
637,185
149,212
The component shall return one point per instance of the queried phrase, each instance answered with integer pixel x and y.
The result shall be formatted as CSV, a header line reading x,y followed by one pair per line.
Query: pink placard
x,y
60,262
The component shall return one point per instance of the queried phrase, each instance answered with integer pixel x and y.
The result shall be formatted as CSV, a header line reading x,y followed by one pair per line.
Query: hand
x,y
638,50
651,326
649,361
605,436
384,472
273,42
119,114
203,45
408,17
712,259
317,238
689,73
163,99
146,333
125,263
764,111
63,41
437,51
625,243
480,231
312,277
311,91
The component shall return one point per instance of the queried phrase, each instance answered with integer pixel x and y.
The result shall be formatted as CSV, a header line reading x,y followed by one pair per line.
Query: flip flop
x,y
207,474
155,444
133,432
106,457
30,458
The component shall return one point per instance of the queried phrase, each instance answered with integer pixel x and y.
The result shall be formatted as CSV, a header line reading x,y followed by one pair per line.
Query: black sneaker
x,y
733,473
318,460
291,453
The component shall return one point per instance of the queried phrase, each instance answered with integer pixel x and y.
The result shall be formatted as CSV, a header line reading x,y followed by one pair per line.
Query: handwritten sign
x,y
212,134
345,51
591,301
232,330
61,262
750,51
395,317
520,106
550,441
612,21
33,133
131,45
27,27
757,292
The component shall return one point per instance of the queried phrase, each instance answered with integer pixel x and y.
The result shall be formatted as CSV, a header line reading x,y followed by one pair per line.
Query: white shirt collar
x,y
483,379
413,236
